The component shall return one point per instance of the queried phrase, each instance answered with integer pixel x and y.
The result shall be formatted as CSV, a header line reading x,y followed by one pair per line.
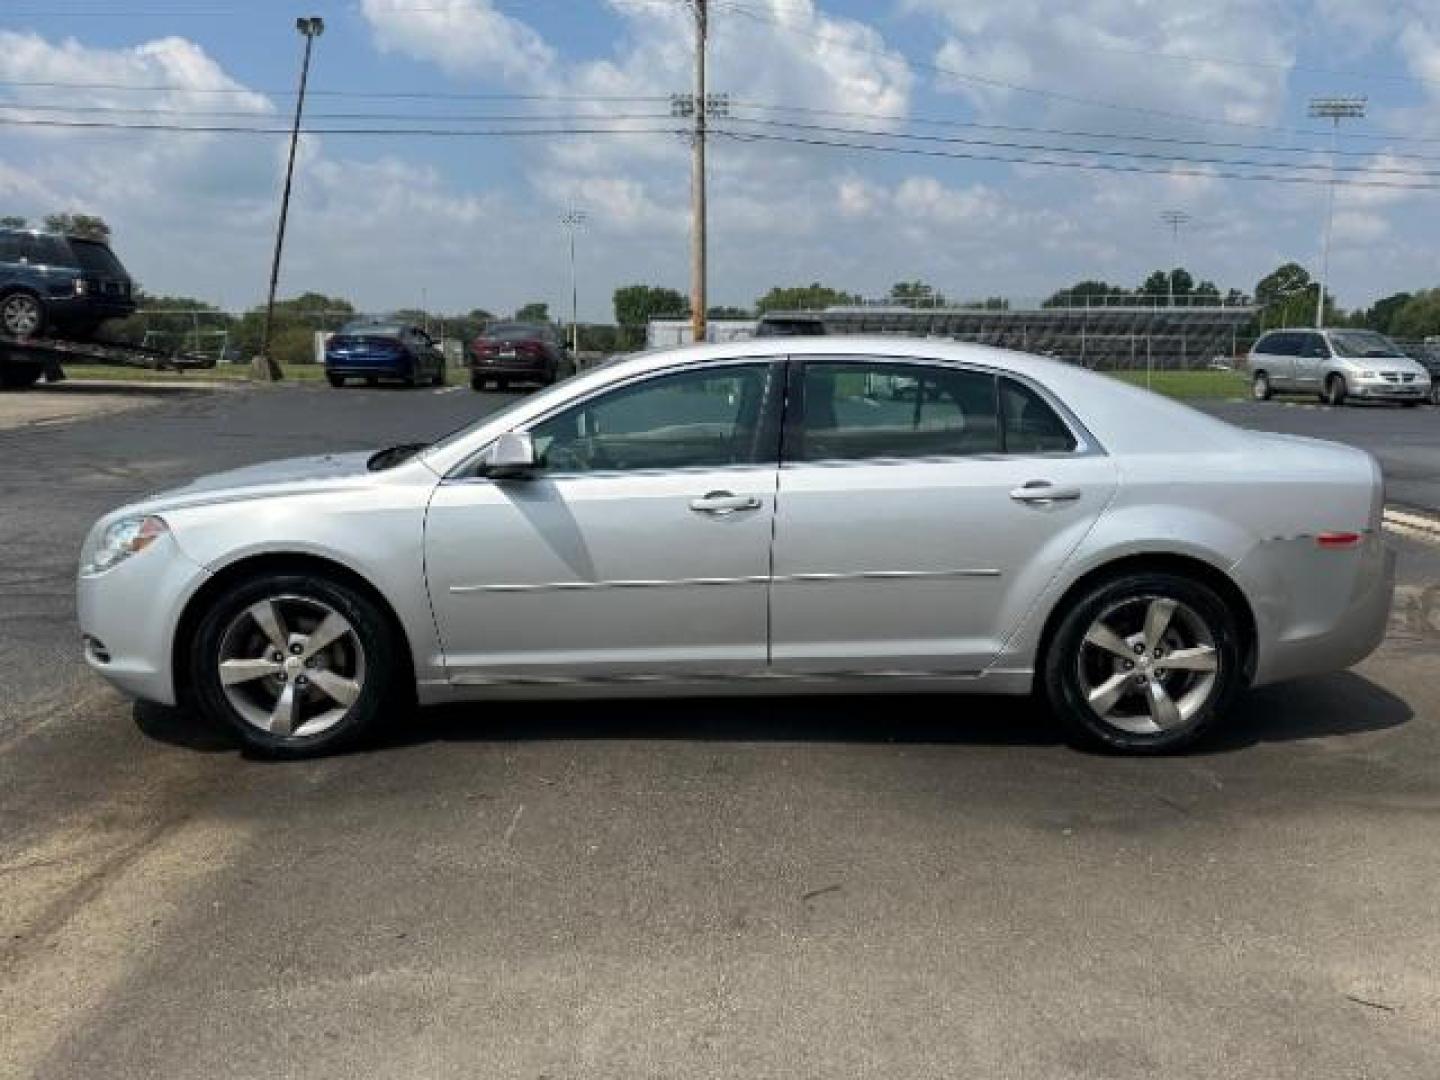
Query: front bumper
x,y
1388,391
128,616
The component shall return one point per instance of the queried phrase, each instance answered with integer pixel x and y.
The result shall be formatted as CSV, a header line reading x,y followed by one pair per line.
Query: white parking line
x,y
446,390
1413,526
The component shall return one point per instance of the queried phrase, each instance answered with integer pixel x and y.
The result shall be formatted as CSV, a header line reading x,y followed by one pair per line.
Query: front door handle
x,y
1044,493
723,503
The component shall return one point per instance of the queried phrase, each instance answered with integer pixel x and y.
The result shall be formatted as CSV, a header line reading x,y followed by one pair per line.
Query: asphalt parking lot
x,y
829,887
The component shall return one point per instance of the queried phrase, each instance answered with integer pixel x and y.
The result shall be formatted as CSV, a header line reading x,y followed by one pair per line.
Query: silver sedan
x,y
825,515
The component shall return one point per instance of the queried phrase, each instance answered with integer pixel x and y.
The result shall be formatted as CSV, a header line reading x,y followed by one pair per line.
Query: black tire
x,y
1069,655
477,383
22,314
1435,392
439,378
20,376
371,380
1335,391
337,381
1410,404
502,385
1260,388
380,690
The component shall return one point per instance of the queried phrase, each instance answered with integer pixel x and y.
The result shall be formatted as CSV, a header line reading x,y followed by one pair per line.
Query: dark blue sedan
x,y
392,351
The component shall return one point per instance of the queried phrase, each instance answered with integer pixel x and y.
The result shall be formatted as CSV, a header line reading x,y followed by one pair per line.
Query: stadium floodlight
x,y
1333,109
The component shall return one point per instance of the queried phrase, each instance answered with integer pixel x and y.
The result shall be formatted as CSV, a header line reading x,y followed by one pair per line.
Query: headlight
x,y
126,537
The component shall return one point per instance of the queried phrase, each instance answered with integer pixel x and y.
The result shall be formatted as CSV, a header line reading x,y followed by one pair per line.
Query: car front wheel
x,y
1260,387
1335,391
296,665
1145,663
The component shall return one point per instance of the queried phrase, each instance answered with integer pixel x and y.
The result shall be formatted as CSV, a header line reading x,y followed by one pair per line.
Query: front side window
x,y
885,410
703,418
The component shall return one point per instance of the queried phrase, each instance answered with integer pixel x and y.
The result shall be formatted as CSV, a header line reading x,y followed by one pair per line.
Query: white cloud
x,y
464,37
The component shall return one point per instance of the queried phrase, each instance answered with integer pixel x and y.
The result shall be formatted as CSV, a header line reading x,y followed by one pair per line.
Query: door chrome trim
x,y
683,678
755,579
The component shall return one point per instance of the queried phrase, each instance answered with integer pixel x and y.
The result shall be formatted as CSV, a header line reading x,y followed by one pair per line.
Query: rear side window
x,y
47,250
97,258
855,411
1278,345
1031,425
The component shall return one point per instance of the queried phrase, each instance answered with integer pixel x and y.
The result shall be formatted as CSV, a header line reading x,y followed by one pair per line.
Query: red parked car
x,y
514,352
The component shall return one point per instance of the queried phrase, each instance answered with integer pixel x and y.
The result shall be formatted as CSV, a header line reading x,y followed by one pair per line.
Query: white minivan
x,y
1335,364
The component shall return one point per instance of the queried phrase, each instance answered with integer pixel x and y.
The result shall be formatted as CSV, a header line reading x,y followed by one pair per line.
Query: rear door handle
x,y
1044,493
724,503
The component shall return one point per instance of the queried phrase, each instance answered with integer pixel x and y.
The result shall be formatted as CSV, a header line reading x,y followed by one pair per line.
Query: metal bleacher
x,y
1104,332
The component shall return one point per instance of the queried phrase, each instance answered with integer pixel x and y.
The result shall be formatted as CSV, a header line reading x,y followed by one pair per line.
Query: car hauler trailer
x,y
24,360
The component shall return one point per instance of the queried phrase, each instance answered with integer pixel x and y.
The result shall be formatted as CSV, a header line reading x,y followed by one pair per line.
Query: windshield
x,y
516,332
1364,343
363,329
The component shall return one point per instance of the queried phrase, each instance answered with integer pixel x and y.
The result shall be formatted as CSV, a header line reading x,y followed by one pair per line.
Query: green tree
x,y
812,297
1381,314
1082,292
10,221
534,312
1206,290
1286,297
636,305
916,294
296,321
723,312
71,224
1159,283
1420,317
599,337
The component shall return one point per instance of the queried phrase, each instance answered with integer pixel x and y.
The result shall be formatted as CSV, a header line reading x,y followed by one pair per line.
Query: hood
x,y
1386,365
291,476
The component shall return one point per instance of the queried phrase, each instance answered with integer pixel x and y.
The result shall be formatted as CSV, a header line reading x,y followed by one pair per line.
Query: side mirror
x,y
511,456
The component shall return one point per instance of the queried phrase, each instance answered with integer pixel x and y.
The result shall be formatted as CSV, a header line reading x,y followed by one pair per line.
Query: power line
x,y
405,95
240,129
1091,151
1088,166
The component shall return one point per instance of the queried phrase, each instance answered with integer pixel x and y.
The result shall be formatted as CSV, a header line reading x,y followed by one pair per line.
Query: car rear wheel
x,y
502,385
336,381
1435,392
22,315
20,376
296,665
1260,387
1335,391
477,383
1144,663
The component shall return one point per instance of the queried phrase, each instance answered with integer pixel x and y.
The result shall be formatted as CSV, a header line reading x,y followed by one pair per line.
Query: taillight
x,y
1337,540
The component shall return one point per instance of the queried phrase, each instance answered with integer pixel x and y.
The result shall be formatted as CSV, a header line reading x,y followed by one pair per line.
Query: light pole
x,y
1333,109
573,219
1175,219
264,367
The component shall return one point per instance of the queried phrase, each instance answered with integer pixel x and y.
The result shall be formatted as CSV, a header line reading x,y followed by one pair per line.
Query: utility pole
x,y
1333,109
572,220
1175,219
263,367
697,181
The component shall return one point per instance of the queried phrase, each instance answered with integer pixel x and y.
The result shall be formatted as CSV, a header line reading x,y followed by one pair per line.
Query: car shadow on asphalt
x,y
1328,707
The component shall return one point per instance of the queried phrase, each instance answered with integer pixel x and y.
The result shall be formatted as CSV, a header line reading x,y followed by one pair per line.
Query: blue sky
x,y
465,221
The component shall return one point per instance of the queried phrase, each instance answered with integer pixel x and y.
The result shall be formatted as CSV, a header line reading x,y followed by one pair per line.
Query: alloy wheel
x,y
1148,665
291,666
21,315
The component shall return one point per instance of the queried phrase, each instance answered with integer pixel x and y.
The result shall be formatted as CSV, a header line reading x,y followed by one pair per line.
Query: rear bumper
x,y
359,368
1317,611
507,368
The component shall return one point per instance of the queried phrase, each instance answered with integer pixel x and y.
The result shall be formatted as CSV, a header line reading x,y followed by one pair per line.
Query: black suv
x,y
59,284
